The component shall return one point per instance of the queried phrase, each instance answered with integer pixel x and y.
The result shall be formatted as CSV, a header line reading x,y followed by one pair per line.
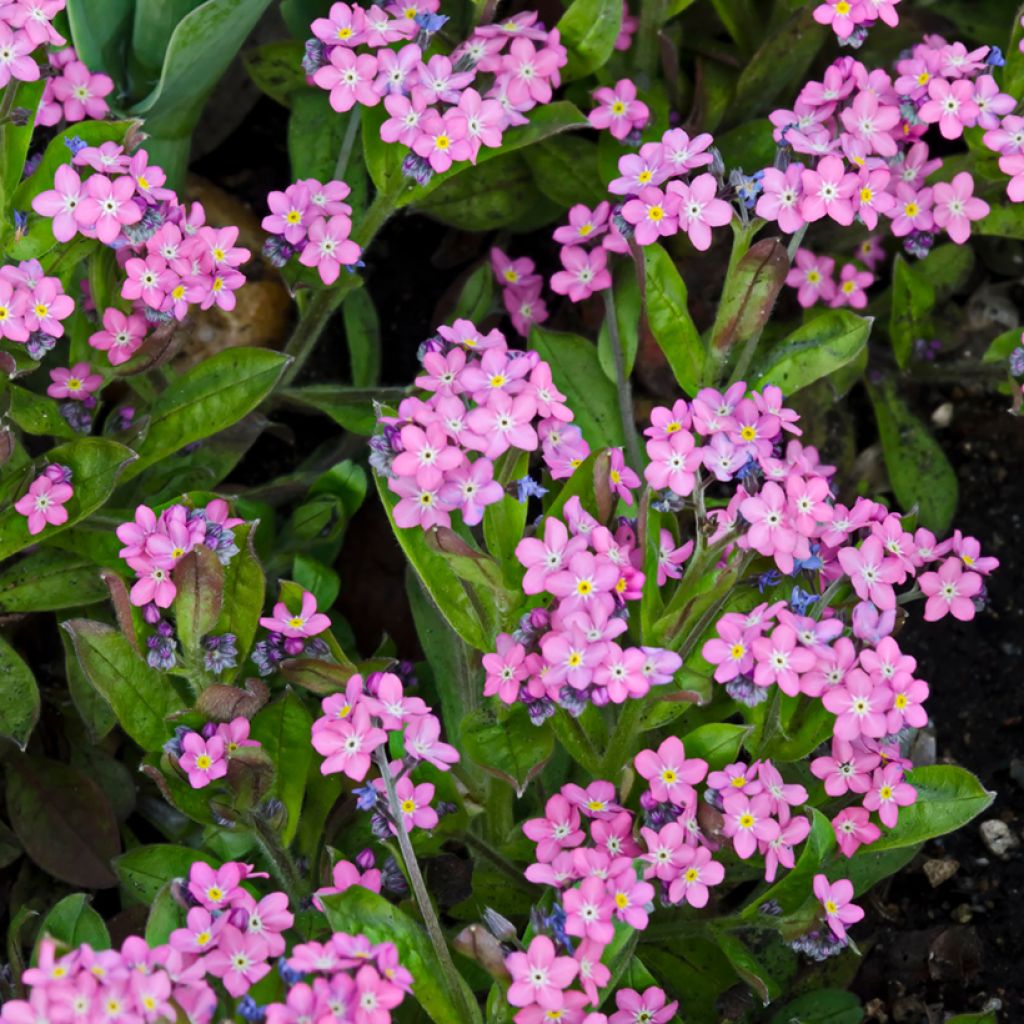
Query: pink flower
x,y
889,792
148,279
860,705
827,191
78,382
770,533
699,210
426,452
584,273
698,871
682,153
670,775
46,306
290,211
505,670
781,661
12,311
470,488
747,820
239,960
414,804
200,932
631,897
956,206
154,584
871,572
478,121
344,875
349,78
504,422
60,202
308,622
872,123
374,997
15,59
541,559
621,477
396,69
121,337
518,272
423,742
843,15
107,206
950,105
203,760
812,277
779,851
649,1007
345,26
835,899
780,200
949,591
44,504
652,213
347,744
584,224
589,908
329,248
674,463
850,291
638,170
82,92
539,976
619,110
531,72
420,504
558,830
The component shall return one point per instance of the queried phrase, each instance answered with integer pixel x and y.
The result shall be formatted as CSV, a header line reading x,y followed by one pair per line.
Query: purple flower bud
x,y
315,57
365,859
294,646
58,474
151,613
416,168
75,144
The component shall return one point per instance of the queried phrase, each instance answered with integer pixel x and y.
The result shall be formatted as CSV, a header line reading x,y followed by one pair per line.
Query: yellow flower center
x,y
737,651
911,209
749,433
830,907
575,659
584,587
296,622
900,701
842,8
866,194
618,108
621,900
692,875
746,821
655,213
203,762
585,229
293,217
408,806
442,142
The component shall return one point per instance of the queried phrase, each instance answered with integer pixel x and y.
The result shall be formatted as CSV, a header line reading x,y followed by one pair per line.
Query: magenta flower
x,y
203,760
620,476
949,591
349,77
239,960
121,337
889,792
730,652
344,875
653,214
871,123
290,211
531,72
682,153
107,206
12,311
674,463
504,422
699,211
47,306
423,742
542,558
748,820
308,622
396,69
589,908
60,202
638,170
505,670
850,290
770,533
200,932
470,488
420,504
414,804
329,248
835,899
426,452
77,382
843,15
955,206
912,211
348,744
584,224
670,775
558,830
619,110
15,56
44,504
650,1007
539,976
697,872
584,273
781,661
812,277
780,198
344,26
950,105
827,191
148,279
860,705
632,897
478,121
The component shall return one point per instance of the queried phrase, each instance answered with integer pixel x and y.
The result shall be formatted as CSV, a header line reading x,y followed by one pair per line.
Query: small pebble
x,y
996,835
938,870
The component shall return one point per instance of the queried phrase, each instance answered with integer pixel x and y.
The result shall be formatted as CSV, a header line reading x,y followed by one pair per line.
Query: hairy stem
x,y
622,386
412,869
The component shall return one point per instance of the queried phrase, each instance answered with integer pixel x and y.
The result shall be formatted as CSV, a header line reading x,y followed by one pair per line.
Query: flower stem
x,y
622,386
502,863
344,154
412,868
10,94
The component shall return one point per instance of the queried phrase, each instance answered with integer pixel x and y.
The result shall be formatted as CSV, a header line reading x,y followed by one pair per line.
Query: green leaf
x,y
357,910
383,159
165,915
351,408
440,580
276,68
578,375
947,798
919,472
141,697
508,746
749,146
913,299
199,577
779,64
96,463
18,138
765,971
1004,220
19,708
718,743
476,296
209,398
315,134
497,194
284,729
668,317
751,289
201,47
1001,347
145,870
628,305
96,714
565,169
244,586
505,520
948,268
73,922
589,29
99,32
63,820
37,414
825,1006
815,350
362,333
320,580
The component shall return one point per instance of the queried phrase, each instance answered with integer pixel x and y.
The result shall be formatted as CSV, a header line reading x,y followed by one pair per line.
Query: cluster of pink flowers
x,y
851,19
154,543
203,755
521,288
438,106
654,199
227,945
482,406
171,259
813,278
567,654
43,504
355,725
72,93
864,131
25,25
32,307
314,221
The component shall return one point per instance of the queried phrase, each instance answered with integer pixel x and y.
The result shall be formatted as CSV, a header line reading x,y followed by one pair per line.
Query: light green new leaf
x,y
96,464
718,743
749,295
588,30
668,317
948,797
578,375
818,348
913,299
918,469
142,697
209,398
73,922
359,911
19,708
